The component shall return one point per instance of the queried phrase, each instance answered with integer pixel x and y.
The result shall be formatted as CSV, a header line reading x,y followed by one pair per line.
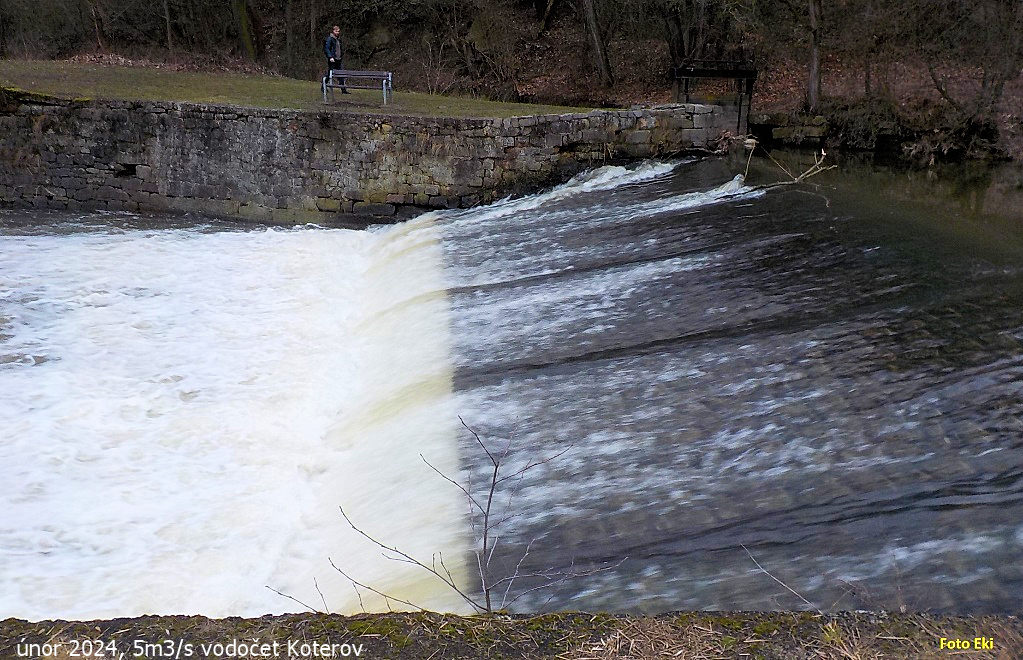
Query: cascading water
x,y
184,410
831,382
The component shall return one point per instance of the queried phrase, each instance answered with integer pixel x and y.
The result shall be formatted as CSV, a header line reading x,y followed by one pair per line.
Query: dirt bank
x,y
567,635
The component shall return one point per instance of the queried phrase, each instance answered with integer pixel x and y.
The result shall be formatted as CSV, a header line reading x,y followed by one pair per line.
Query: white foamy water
x,y
182,413
602,178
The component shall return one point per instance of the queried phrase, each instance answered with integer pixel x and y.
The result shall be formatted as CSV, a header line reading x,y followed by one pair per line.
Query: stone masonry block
x,y
328,204
638,137
368,208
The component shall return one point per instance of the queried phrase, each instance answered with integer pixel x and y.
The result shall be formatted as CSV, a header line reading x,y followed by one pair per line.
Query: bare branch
x,y
942,91
483,573
558,575
493,547
484,570
308,607
407,557
783,169
511,516
514,576
358,593
532,464
478,441
845,593
564,577
327,609
815,169
386,597
445,567
507,449
453,482
488,538
768,574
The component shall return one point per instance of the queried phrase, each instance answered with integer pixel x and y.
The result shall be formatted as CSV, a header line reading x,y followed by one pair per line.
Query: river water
x,y
704,375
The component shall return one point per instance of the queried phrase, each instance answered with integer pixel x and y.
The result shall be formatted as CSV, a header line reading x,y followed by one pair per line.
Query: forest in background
x,y
951,65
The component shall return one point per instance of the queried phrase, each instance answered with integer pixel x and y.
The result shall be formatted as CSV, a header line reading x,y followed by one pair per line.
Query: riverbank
x,y
82,80
786,635
920,133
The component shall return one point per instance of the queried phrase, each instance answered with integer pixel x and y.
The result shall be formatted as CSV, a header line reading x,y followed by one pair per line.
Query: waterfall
x,y
185,410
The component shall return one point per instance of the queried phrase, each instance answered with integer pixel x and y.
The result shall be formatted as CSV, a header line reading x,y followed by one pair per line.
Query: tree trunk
x,y
167,21
313,35
596,39
245,33
695,33
97,24
676,49
545,20
813,95
313,19
3,29
289,46
870,52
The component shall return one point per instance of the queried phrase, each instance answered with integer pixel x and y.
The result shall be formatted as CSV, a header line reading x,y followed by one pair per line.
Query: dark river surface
x,y
826,379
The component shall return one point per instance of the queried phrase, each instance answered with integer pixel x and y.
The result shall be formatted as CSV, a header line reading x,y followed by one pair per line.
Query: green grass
x,y
76,80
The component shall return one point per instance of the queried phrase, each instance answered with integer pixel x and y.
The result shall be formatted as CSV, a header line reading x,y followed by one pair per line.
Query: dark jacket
x,y
332,47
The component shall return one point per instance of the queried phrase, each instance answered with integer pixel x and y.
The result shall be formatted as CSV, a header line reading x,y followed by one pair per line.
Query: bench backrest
x,y
345,73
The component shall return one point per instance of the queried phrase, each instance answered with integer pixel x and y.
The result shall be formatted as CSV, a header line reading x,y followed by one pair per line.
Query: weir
x,y
715,367
290,167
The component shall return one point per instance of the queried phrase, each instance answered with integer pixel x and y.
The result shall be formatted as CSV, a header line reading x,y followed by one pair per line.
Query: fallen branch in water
x,y
815,169
812,171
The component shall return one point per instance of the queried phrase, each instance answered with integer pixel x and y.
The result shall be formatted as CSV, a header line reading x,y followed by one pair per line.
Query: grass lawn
x,y
94,81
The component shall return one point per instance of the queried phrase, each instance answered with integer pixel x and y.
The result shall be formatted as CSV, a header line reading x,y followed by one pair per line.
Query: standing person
x,y
332,49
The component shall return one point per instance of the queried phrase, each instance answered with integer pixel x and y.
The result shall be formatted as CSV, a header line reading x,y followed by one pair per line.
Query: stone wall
x,y
790,130
281,166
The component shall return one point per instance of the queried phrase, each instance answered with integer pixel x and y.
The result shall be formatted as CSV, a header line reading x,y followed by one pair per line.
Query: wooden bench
x,y
346,79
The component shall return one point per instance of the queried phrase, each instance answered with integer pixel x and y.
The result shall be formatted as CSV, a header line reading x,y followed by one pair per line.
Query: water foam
x,y
602,178
183,413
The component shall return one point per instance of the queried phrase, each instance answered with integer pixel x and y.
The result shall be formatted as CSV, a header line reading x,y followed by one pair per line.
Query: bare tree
x,y
598,49
496,591
3,28
985,36
247,31
289,45
313,20
167,21
813,93
96,14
